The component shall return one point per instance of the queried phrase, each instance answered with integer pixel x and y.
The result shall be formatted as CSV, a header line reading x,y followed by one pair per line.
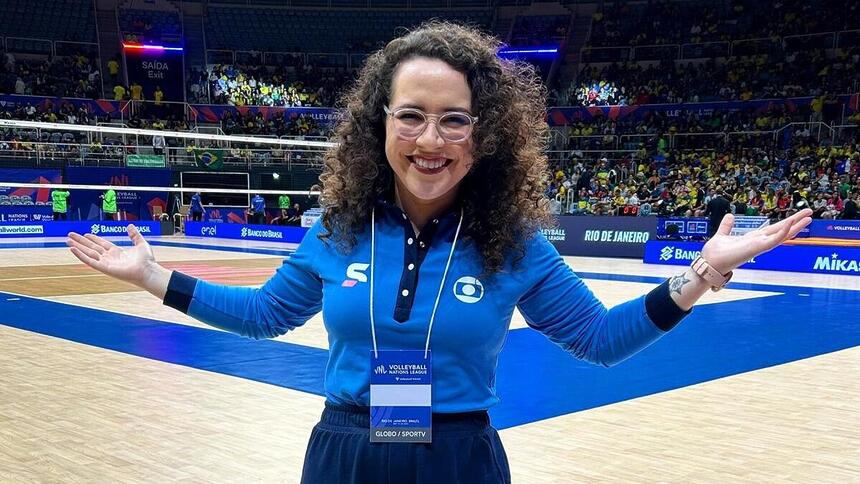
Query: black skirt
x,y
465,449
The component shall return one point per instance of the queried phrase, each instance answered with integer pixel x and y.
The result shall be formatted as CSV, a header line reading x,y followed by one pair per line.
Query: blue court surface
x,y
536,380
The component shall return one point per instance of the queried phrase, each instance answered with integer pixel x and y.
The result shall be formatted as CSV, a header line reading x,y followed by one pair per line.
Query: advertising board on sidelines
x,y
26,213
835,229
271,233
602,236
789,258
61,229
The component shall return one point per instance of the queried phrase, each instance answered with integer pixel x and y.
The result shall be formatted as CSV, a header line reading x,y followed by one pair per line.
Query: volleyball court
x,y
148,389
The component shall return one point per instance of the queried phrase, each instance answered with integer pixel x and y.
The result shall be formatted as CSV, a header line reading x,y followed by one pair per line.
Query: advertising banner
x,y
27,196
96,107
145,161
271,233
61,229
602,236
235,215
26,213
133,205
213,113
788,258
570,115
835,229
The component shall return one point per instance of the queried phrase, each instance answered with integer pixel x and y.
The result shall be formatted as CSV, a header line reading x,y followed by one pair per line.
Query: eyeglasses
x,y
453,126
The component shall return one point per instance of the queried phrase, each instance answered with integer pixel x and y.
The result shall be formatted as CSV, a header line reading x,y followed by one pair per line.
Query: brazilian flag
x,y
209,158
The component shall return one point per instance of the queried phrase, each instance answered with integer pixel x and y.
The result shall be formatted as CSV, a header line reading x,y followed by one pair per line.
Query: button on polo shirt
x,y
415,250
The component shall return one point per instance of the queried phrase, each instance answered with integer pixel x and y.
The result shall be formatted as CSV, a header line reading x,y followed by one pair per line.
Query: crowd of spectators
x,y
776,66
50,112
275,125
793,74
746,127
20,146
62,76
756,181
285,85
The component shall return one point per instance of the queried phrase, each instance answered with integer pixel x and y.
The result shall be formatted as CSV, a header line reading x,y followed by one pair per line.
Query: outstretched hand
x,y
130,264
725,252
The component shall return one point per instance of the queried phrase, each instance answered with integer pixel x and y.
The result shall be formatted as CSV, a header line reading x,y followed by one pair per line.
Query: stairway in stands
x,y
109,43
195,44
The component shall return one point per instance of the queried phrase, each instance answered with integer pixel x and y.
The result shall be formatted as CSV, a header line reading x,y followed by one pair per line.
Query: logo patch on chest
x,y
468,289
355,274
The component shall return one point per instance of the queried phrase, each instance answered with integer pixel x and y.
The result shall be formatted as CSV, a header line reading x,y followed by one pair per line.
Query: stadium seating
x,y
150,26
70,20
298,30
679,22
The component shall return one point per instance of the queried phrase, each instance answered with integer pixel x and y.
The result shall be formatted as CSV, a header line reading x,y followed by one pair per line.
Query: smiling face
x,y
428,169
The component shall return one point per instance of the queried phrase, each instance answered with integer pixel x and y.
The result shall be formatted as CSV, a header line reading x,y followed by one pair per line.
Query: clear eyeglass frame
x,y
446,133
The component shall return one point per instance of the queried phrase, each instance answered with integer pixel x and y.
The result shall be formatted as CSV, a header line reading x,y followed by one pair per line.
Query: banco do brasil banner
x,y
61,229
789,258
272,233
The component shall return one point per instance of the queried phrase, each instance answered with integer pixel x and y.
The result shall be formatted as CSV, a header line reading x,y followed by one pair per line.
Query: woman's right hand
x,y
135,264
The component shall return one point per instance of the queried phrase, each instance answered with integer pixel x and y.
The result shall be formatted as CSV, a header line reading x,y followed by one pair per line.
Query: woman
x,y
439,171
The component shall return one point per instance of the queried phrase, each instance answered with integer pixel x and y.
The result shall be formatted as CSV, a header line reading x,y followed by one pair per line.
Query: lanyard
x,y
438,294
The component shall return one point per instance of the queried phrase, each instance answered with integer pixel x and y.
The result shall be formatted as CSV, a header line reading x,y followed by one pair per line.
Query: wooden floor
x,y
72,412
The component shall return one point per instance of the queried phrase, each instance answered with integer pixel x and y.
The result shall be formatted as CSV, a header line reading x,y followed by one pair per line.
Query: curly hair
x,y
503,195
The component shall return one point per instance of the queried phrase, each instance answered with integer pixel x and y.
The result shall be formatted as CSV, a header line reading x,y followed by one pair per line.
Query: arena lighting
x,y
149,47
14,123
528,51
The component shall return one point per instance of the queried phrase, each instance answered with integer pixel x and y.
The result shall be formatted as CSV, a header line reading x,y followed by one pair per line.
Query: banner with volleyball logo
x,y
209,159
133,205
27,196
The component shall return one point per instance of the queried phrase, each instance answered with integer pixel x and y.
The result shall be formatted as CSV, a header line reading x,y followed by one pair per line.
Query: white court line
x,y
47,277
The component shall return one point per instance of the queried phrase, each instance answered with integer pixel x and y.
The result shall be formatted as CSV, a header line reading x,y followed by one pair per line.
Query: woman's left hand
x,y
725,252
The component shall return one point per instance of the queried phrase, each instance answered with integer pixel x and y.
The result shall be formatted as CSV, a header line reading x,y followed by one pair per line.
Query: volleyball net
x,y
104,172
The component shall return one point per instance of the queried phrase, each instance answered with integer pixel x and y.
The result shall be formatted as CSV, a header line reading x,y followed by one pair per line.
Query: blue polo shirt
x,y
259,204
471,322
196,203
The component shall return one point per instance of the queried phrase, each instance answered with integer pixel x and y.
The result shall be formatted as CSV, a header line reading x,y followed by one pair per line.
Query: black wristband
x,y
180,290
662,310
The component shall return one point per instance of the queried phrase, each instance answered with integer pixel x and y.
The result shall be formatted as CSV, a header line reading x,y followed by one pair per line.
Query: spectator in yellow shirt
x,y
137,92
118,92
113,69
